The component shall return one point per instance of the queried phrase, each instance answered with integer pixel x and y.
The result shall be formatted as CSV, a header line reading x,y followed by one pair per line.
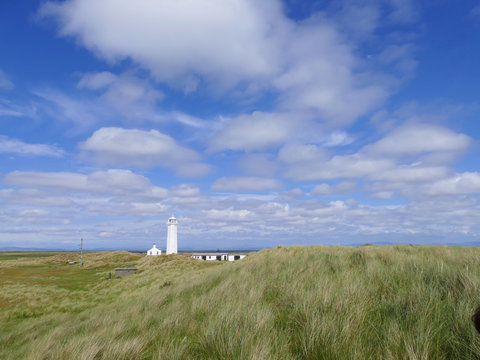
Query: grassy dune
x,y
388,302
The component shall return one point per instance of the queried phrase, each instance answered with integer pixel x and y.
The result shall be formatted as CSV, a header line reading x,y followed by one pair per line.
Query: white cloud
x,y
119,208
246,184
407,174
175,39
291,195
108,98
383,195
400,58
427,147
96,81
33,197
258,165
15,146
254,132
300,153
419,138
126,94
81,113
143,149
361,18
310,65
185,190
72,197
464,183
269,220
228,214
13,108
5,83
111,181
348,166
9,112
340,188
322,77
338,138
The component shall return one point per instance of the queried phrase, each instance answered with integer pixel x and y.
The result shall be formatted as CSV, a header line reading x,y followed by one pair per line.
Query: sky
x,y
255,123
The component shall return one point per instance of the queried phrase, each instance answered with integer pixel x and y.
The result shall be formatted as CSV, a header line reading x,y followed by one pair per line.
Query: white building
x,y
217,256
154,251
172,236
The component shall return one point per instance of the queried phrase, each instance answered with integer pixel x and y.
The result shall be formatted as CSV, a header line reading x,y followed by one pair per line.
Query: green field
x,y
372,302
13,255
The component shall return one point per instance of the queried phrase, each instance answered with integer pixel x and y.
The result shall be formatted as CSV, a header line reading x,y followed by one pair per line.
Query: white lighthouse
x,y
172,236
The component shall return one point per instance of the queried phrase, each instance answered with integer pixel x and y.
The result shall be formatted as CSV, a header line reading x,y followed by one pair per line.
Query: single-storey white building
x,y
154,251
217,256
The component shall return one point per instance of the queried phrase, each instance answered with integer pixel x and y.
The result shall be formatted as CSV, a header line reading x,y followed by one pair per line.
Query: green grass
x,y
12,255
375,302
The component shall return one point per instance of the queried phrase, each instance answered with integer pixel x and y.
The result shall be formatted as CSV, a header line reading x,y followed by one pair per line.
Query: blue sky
x,y
255,123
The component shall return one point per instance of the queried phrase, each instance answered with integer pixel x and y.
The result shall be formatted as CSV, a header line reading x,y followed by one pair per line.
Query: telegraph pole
x,y
81,252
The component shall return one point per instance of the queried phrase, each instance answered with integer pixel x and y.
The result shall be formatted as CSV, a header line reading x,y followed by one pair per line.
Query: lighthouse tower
x,y
172,236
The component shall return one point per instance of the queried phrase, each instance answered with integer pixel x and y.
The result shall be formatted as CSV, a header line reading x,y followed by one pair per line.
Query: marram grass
x,y
372,302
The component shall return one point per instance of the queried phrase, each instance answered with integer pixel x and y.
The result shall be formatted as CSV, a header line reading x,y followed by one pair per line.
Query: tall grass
x,y
388,302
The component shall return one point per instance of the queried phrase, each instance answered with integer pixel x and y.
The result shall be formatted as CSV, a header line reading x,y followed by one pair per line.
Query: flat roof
x,y
209,254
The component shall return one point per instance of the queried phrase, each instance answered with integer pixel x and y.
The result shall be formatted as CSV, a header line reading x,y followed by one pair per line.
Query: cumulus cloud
x,y
340,166
111,181
246,184
143,149
419,138
72,196
188,37
338,138
310,65
340,188
301,153
269,220
410,153
15,146
415,173
33,197
257,131
185,190
322,77
258,165
126,94
464,183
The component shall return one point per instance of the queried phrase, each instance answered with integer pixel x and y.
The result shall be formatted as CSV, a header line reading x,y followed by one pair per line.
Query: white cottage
x,y
217,256
154,251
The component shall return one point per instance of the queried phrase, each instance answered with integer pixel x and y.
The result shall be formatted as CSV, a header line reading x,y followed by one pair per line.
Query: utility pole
x,y
81,252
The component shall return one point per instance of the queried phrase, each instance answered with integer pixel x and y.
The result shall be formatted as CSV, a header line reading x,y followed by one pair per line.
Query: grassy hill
x,y
373,302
